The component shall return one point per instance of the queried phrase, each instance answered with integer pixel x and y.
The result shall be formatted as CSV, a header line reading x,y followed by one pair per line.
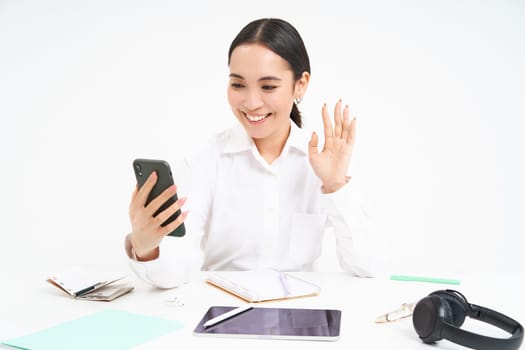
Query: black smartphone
x,y
143,168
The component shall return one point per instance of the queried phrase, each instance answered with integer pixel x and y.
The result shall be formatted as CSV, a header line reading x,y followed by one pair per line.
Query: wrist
x,y
333,186
152,255
135,252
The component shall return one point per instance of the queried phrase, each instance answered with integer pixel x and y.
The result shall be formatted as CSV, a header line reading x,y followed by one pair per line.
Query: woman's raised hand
x,y
331,164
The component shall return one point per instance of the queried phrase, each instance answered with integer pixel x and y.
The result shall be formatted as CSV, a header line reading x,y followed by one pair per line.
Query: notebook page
x,y
261,285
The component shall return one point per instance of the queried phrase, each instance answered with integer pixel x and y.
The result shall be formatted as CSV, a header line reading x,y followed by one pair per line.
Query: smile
x,y
256,118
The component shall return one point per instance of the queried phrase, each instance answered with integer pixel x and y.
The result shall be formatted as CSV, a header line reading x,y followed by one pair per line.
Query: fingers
x,y
351,136
162,198
338,120
174,224
328,130
341,129
144,191
167,213
342,133
347,125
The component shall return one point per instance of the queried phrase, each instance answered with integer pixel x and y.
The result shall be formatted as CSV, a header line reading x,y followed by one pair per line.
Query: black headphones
x,y
440,314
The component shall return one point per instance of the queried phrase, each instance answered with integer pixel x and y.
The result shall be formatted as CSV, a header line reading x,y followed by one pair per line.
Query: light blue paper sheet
x,y
107,329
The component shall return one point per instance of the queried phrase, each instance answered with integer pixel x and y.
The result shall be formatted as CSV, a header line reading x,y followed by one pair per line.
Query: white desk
x,y
35,305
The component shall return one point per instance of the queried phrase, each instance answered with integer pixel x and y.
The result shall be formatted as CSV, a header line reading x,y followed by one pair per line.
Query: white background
x,y
437,87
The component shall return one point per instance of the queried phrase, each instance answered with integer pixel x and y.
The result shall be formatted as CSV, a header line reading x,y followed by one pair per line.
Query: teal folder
x,y
107,329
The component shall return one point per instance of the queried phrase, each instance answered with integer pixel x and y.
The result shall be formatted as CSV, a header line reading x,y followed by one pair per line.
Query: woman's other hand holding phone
x,y
147,232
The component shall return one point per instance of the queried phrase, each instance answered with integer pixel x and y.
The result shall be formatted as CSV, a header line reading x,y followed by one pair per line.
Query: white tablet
x,y
273,323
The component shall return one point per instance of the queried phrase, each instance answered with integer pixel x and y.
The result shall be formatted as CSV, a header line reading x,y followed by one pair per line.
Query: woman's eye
x,y
236,85
269,87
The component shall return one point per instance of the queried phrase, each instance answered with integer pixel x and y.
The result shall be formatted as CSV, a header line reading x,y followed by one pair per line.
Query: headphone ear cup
x,y
427,320
454,306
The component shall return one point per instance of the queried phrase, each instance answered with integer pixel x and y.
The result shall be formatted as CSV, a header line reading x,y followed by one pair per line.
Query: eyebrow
x,y
269,77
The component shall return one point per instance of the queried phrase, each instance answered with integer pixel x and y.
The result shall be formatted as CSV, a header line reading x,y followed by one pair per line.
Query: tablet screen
x,y
274,323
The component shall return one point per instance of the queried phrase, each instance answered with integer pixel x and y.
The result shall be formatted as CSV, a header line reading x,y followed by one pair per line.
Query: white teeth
x,y
256,118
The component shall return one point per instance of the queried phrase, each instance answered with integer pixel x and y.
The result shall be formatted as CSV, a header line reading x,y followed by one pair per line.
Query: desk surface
x,y
29,306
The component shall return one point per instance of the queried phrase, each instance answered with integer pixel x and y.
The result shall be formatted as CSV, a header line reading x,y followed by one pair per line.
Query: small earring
x,y
297,100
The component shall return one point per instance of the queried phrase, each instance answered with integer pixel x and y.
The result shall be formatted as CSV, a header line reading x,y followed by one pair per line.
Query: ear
x,y
301,85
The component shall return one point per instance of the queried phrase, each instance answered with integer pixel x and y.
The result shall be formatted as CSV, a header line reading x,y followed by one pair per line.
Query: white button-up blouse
x,y
247,214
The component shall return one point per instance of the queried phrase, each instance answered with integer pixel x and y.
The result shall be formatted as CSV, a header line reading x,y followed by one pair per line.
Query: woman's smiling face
x,y
261,91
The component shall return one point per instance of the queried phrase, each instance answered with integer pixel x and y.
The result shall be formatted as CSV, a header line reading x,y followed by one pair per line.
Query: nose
x,y
253,100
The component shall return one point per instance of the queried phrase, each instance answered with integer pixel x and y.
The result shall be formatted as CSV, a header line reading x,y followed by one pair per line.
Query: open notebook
x,y
91,284
262,285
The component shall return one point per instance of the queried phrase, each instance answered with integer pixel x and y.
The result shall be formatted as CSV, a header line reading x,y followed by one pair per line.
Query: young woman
x,y
262,194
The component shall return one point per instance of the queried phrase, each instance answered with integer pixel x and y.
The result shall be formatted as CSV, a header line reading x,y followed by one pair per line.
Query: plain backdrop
x,y
437,88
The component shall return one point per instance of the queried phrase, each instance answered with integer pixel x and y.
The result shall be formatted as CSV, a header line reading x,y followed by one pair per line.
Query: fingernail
x,y
346,106
182,200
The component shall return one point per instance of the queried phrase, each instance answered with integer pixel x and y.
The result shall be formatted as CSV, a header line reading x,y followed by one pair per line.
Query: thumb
x,y
312,145
135,192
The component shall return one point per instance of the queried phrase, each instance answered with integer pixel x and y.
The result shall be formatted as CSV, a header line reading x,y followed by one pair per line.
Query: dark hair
x,y
283,39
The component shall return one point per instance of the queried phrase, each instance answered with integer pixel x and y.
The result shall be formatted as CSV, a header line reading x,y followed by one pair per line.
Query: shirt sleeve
x,y
354,230
173,268
180,258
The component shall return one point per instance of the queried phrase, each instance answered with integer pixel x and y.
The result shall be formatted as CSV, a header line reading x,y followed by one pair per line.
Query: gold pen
x,y
404,311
